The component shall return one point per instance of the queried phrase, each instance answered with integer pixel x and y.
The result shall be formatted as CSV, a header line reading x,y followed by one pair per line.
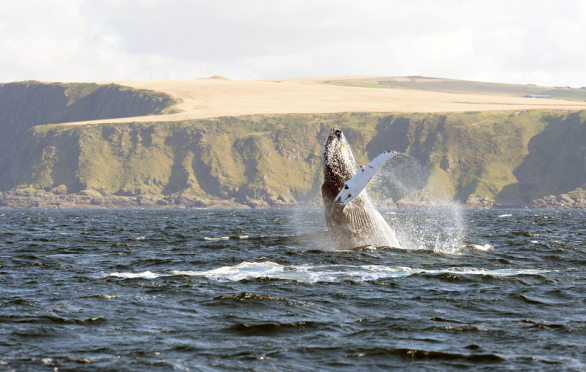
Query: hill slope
x,y
511,157
484,158
209,98
466,87
28,104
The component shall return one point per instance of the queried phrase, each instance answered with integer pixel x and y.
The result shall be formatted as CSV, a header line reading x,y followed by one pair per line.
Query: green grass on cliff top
x,y
578,95
568,94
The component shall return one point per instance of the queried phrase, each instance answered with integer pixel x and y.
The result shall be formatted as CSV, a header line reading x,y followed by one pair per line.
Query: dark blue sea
x,y
256,290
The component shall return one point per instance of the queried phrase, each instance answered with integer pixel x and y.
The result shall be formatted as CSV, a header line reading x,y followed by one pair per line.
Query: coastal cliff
x,y
28,104
483,160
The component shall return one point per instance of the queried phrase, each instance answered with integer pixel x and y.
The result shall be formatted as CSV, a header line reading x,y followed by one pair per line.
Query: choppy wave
x,y
227,237
288,299
482,247
220,238
145,274
321,273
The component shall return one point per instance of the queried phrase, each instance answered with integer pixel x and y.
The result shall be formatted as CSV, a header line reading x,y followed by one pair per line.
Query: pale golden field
x,y
207,98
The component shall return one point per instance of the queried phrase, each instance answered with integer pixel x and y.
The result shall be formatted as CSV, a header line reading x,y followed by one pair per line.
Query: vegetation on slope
x,y
509,156
464,87
568,94
27,104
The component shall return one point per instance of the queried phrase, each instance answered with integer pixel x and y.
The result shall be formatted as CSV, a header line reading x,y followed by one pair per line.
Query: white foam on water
x,y
485,247
238,272
139,238
144,274
220,238
333,273
109,297
505,215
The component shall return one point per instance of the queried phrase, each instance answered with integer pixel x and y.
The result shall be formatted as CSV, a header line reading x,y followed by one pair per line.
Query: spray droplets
x,y
431,222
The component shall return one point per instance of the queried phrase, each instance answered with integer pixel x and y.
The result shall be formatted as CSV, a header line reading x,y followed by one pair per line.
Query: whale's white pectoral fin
x,y
356,184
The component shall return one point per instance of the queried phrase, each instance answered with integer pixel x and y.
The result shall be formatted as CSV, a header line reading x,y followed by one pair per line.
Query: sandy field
x,y
208,98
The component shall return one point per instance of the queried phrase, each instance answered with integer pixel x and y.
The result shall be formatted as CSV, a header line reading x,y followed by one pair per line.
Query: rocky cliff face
x,y
28,104
256,161
495,159
555,162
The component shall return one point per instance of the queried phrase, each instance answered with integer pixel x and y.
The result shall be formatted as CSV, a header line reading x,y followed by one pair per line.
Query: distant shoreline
x,y
91,200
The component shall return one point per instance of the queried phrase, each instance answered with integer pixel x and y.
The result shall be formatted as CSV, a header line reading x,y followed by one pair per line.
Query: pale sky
x,y
512,41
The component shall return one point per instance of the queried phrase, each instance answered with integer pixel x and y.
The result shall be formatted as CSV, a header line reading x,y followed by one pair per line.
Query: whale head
x,y
339,163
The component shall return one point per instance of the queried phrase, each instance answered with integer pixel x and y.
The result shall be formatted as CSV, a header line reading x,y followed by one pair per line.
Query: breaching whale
x,y
352,219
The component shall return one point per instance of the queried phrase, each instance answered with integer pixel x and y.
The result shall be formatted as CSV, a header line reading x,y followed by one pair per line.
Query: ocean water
x,y
205,290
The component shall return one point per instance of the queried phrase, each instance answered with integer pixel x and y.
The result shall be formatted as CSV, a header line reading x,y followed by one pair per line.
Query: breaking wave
x,y
322,273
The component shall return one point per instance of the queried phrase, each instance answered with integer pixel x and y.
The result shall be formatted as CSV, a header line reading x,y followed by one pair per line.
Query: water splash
x,y
311,231
437,224
439,227
432,222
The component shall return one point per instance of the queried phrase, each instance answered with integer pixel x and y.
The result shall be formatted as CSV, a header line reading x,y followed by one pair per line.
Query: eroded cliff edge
x,y
484,160
24,105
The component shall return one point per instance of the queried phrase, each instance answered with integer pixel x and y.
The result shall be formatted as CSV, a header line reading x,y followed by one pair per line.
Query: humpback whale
x,y
352,219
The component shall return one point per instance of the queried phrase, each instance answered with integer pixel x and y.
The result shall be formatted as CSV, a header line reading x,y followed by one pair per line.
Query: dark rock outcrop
x,y
559,202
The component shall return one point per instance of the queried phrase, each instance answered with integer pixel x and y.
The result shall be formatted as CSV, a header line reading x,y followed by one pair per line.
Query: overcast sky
x,y
514,41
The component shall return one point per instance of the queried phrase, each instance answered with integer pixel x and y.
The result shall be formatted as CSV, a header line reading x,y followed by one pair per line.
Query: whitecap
x,y
238,272
333,273
505,215
220,238
485,247
109,297
139,238
144,274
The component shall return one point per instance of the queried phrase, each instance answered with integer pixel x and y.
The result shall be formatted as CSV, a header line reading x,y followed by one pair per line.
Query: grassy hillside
x,y
508,156
27,104
568,94
463,87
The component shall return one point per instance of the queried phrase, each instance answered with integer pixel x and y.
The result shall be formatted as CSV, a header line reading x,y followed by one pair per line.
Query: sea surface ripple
x,y
198,290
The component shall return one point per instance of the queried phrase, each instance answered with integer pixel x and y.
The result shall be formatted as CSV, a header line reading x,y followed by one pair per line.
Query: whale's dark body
x,y
358,223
